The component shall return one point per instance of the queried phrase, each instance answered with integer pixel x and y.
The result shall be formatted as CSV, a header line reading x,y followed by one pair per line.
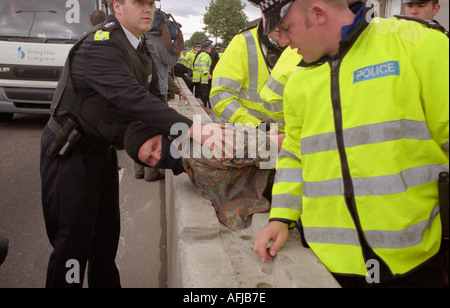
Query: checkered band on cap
x,y
270,6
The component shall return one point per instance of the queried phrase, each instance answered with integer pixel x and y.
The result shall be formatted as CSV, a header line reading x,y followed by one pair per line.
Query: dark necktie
x,y
140,48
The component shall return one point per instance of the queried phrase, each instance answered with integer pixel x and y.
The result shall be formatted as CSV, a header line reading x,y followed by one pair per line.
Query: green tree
x,y
225,18
197,37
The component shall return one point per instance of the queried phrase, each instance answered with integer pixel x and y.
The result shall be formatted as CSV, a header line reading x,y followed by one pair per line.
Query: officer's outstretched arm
x,y
211,135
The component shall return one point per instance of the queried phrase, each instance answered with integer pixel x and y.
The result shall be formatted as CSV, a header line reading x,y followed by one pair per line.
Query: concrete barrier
x,y
203,253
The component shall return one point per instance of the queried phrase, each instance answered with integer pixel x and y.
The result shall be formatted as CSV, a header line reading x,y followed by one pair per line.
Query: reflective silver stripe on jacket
x,y
233,85
287,154
277,88
287,175
378,239
378,185
374,133
253,68
287,201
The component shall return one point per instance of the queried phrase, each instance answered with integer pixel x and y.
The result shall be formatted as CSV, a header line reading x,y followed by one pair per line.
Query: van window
x,y
46,19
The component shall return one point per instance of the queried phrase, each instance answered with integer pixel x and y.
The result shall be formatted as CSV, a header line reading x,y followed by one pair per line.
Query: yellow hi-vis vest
x,y
182,59
238,78
367,136
189,59
272,92
202,67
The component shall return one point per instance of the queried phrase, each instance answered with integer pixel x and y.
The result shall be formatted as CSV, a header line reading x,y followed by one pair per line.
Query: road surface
x,y
141,257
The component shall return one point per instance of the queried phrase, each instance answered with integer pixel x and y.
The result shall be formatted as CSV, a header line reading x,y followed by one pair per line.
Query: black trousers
x,y
3,248
80,198
202,91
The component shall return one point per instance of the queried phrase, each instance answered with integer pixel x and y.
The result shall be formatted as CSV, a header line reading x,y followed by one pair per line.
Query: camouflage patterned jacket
x,y
238,187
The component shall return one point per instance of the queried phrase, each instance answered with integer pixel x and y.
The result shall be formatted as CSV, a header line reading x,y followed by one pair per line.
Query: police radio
x,y
65,140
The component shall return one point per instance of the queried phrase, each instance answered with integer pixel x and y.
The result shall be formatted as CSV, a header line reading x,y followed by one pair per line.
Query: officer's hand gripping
x,y
275,231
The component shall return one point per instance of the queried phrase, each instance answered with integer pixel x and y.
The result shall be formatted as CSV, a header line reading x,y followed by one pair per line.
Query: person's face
x,y
135,15
424,11
150,152
275,35
299,30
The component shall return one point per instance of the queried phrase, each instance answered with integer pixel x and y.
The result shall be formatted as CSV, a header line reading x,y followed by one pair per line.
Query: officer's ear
x,y
319,13
436,9
117,7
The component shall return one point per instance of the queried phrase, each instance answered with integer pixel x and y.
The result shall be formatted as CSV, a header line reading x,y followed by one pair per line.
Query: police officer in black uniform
x,y
3,248
108,81
423,11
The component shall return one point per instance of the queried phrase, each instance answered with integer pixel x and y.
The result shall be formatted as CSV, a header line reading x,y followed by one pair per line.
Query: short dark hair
x,y
97,17
111,4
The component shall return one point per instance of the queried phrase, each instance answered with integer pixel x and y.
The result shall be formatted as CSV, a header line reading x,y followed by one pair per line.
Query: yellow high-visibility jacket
x,y
202,67
367,137
182,59
272,92
238,79
189,59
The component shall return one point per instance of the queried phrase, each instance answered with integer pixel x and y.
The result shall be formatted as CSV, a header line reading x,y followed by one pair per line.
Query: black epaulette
x,y
103,30
429,24
109,26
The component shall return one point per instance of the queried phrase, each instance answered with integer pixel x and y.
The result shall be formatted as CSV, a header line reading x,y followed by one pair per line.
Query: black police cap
x,y
274,12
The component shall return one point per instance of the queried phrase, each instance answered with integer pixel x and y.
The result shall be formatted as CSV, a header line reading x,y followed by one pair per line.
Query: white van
x,y
35,39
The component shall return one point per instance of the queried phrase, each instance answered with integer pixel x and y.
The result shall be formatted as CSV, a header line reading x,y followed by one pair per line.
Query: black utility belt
x,y
69,135
66,137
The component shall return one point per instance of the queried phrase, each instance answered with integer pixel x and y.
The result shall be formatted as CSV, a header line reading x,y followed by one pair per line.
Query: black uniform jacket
x,y
99,66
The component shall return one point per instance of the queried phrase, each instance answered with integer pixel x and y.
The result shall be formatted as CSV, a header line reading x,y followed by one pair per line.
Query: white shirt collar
x,y
133,40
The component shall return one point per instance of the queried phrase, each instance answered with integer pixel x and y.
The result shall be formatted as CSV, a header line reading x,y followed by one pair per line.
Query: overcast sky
x,y
190,13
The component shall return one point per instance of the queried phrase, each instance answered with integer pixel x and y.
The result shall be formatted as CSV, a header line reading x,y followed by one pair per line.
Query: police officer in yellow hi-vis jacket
x,y
241,74
367,138
273,91
190,55
203,73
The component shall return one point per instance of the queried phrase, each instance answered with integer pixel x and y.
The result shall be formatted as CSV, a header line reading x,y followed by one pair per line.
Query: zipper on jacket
x,y
337,111
349,193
